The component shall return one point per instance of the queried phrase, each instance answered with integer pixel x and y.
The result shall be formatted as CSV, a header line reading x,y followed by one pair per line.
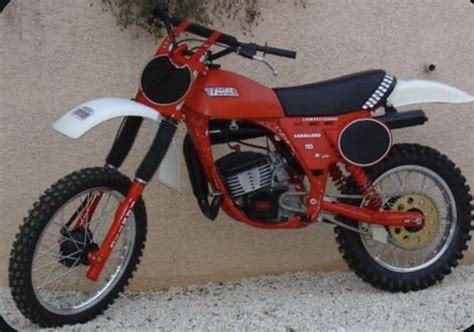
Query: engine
x,y
257,183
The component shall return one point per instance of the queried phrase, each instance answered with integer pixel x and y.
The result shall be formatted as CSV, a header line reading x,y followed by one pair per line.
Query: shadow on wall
x,y
3,4
4,326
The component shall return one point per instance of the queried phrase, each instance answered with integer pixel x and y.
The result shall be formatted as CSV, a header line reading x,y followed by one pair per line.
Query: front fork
x,y
148,167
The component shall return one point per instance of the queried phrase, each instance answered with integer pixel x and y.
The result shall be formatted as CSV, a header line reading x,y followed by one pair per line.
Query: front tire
x,y
392,274
47,279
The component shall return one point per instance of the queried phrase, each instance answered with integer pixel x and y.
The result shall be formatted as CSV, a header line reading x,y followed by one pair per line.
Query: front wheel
x,y
49,259
412,178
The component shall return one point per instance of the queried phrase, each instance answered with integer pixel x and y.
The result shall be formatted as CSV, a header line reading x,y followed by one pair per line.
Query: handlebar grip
x,y
206,32
163,16
160,14
278,52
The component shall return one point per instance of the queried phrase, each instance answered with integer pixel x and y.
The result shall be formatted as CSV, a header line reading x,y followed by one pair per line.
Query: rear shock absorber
x,y
373,200
337,176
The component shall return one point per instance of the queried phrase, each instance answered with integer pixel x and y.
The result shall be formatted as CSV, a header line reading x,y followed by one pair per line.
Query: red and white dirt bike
x,y
402,214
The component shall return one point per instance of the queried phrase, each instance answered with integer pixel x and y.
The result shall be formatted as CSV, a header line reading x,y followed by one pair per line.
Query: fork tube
x,y
124,140
99,258
144,174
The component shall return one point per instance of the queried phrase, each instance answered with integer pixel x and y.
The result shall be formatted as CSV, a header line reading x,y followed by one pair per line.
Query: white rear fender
x,y
83,118
420,91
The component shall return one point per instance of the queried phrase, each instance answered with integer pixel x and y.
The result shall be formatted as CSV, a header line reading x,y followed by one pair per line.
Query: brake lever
x,y
263,60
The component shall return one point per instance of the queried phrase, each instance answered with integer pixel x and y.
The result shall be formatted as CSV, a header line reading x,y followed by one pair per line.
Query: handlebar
x,y
225,39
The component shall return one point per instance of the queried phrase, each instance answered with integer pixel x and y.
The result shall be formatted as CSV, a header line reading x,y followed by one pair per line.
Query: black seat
x,y
365,90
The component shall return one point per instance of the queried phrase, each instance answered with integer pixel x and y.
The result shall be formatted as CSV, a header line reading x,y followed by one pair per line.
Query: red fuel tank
x,y
223,94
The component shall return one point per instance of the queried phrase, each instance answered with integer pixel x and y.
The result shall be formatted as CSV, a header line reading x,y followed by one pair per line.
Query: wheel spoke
x,y
80,281
398,182
102,213
63,238
48,277
49,252
59,277
59,257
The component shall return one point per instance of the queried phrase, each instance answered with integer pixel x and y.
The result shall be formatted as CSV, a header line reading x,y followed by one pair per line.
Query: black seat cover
x,y
365,90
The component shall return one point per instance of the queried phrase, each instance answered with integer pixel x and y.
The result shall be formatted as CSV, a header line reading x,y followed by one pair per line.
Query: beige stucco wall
x,y
55,54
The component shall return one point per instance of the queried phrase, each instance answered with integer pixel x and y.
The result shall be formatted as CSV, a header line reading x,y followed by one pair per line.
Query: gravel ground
x,y
301,301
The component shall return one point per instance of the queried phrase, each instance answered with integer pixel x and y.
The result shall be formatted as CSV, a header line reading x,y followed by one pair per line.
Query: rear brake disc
x,y
413,238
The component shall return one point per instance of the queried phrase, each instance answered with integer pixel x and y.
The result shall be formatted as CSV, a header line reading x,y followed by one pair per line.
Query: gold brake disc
x,y
415,237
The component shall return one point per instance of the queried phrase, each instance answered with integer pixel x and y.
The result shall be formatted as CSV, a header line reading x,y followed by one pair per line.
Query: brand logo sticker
x,y
222,92
82,113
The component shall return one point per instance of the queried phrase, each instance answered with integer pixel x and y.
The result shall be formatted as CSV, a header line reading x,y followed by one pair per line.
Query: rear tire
x,y
36,223
355,253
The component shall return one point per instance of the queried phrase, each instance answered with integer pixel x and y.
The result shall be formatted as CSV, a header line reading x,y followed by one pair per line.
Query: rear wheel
x,y
49,258
412,178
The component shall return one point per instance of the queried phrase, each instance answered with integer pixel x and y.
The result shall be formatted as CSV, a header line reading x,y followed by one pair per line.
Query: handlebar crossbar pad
x,y
206,32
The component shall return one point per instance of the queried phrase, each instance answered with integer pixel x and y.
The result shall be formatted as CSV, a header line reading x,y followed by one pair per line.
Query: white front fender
x,y
83,118
420,91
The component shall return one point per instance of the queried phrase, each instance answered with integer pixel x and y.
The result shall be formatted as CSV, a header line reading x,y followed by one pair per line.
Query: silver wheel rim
x,y
411,179
66,290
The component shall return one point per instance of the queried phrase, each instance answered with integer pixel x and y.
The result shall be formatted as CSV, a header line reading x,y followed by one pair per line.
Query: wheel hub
x,y
76,245
413,238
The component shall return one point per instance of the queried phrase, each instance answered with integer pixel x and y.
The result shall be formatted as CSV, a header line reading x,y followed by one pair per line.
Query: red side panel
x,y
243,99
314,139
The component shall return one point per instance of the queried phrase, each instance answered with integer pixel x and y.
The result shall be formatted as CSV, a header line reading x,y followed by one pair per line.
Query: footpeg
x,y
213,210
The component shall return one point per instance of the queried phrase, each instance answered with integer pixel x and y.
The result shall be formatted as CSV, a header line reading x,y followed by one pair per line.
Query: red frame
x,y
313,141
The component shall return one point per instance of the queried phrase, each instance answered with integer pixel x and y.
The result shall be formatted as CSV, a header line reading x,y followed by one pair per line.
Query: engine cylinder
x,y
245,172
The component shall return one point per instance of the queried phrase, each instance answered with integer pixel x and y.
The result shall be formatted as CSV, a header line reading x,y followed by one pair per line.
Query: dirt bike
x,y
402,211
